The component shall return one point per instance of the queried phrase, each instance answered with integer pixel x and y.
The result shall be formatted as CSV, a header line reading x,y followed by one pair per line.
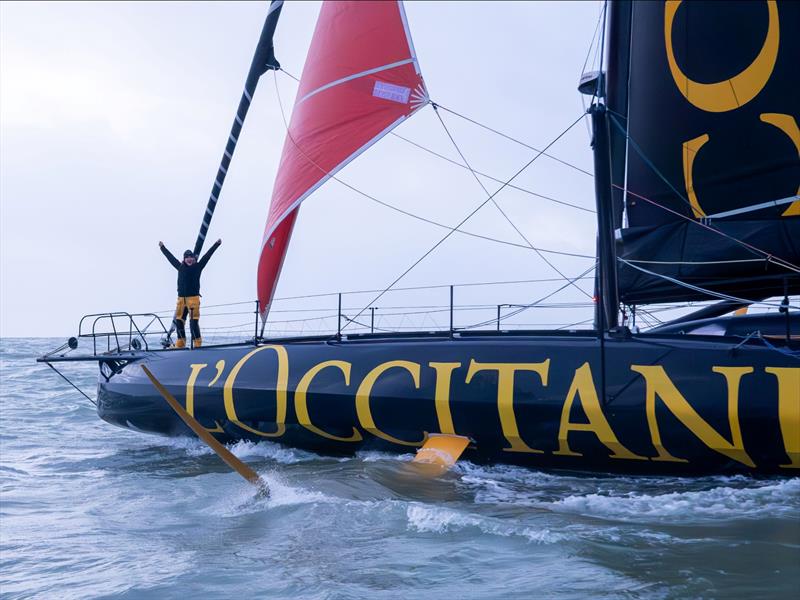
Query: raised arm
x,y
172,260
207,256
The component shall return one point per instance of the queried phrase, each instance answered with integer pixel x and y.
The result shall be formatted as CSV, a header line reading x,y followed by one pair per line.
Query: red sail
x,y
361,79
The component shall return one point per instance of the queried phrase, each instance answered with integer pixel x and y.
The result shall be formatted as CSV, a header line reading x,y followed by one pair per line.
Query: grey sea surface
x,y
88,510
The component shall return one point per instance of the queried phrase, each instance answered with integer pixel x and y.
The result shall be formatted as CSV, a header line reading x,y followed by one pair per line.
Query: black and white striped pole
x,y
263,61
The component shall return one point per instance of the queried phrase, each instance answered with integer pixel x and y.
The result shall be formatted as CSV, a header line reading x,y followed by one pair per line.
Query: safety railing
x,y
128,331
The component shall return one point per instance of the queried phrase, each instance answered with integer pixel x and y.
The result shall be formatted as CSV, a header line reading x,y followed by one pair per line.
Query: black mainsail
x,y
704,106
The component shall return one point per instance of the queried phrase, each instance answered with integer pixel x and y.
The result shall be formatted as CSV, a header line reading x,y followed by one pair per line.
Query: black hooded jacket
x,y
189,277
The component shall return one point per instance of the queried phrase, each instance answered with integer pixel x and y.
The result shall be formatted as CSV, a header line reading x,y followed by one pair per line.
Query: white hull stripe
x,y
208,211
356,76
274,6
228,154
206,224
239,121
247,95
753,207
202,236
214,198
223,169
233,139
217,183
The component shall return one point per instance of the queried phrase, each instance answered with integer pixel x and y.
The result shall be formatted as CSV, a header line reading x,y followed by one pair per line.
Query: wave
x,y
780,499
431,519
244,449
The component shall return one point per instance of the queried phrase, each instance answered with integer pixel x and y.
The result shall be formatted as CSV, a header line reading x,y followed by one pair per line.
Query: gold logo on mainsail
x,y
788,125
728,95
785,123
690,150
737,91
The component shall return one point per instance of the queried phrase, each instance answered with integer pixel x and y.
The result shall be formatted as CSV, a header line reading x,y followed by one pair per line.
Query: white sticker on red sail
x,y
389,91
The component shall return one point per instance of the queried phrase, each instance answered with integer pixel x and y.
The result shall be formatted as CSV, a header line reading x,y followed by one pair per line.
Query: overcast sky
x,y
114,116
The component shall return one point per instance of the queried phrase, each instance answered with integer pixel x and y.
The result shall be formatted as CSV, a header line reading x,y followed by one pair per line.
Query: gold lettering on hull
x,y
220,366
582,390
505,396
789,411
659,385
363,399
301,401
583,387
196,368
190,383
444,375
281,386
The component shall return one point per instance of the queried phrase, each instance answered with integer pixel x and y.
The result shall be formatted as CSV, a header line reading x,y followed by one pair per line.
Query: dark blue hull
x,y
644,404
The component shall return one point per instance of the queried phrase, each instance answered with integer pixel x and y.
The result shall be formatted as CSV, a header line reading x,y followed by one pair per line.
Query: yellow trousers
x,y
188,305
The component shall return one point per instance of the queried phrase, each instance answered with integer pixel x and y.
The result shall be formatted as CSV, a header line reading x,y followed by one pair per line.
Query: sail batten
x,y
361,80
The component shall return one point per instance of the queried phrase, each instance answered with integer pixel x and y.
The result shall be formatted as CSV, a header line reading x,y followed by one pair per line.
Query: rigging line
x,y
769,257
500,133
64,377
527,306
375,291
703,290
594,37
601,83
589,320
652,315
696,262
497,205
469,216
594,61
495,179
520,142
430,308
405,212
365,326
776,259
426,287
644,157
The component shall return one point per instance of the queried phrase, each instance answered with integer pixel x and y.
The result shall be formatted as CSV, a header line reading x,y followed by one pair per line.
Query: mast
x,y
263,61
609,148
606,317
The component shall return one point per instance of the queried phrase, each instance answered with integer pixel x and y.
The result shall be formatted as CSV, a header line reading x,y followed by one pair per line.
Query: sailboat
x,y
696,154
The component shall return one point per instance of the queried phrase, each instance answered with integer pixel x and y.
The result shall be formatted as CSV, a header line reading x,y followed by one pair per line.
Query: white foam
x,y
283,494
243,449
242,498
428,519
191,446
274,451
376,456
778,499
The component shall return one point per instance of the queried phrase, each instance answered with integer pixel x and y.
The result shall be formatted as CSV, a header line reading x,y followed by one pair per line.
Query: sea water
x,y
88,510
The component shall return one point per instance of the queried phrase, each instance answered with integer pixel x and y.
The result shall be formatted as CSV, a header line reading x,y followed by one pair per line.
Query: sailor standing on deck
x,y
189,272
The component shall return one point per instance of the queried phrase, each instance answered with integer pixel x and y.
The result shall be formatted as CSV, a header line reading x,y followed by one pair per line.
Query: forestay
x,y
361,79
